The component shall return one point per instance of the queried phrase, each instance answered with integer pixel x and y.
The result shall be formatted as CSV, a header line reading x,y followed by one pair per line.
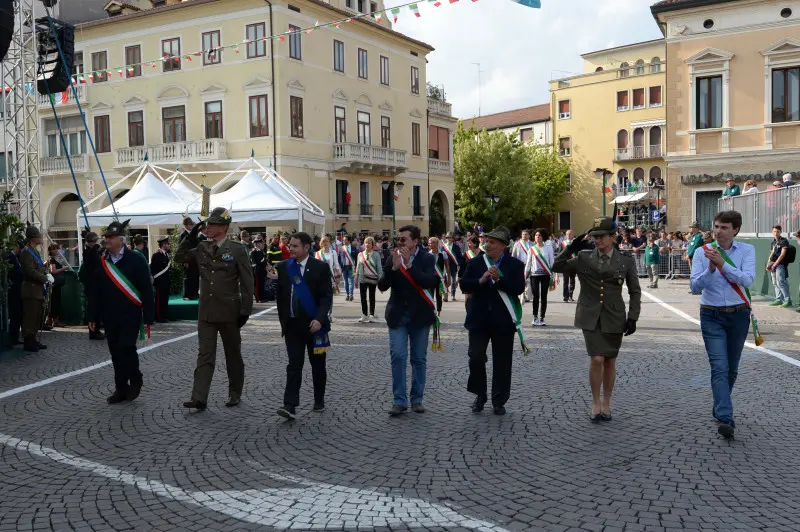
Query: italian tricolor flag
x,y
378,16
436,3
395,13
414,9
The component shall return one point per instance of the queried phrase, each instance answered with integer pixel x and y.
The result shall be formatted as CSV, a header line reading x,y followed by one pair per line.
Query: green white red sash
x,y
471,254
439,273
365,260
542,260
513,306
427,295
347,254
525,246
126,287
450,252
742,292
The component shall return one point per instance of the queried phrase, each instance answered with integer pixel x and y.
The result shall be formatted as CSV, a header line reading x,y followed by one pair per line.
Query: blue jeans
x,y
399,340
347,273
781,284
724,334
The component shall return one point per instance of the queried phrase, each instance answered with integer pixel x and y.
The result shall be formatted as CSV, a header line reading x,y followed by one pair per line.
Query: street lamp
x,y
395,187
603,173
492,199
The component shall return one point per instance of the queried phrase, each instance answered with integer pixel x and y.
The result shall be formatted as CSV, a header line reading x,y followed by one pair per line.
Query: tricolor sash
x,y
743,293
347,254
471,254
125,286
320,255
427,295
513,306
525,247
439,273
542,260
303,293
367,262
450,254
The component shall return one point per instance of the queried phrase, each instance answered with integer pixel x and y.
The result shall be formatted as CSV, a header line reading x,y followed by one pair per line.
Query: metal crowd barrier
x,y
762,210
673,264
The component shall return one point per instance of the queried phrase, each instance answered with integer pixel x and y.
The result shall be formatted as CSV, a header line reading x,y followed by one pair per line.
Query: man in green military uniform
x,y
226,300
35,277
601,310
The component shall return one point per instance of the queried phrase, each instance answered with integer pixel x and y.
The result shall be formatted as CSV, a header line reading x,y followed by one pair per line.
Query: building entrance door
x,y
706,207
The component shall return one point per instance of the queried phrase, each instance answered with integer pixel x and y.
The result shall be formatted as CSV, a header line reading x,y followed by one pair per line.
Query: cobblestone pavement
x,y
70,461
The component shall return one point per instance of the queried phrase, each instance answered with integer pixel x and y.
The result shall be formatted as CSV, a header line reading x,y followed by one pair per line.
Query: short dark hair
x,y
544,233
475,241
188,221
729,217
415,231
778,227
304,238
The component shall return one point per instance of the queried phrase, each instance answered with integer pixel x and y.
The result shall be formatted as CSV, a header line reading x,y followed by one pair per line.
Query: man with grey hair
x,y
787,180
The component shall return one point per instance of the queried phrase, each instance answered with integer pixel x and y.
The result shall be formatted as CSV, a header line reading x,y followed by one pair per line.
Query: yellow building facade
x,y
334,110
612,117
733,99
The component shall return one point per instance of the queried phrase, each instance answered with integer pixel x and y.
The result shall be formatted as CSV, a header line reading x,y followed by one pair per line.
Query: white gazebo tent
x,y
149,202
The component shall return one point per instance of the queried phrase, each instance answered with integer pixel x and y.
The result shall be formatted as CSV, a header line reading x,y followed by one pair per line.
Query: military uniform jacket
x,y
226,279
34,274
158,262
601,291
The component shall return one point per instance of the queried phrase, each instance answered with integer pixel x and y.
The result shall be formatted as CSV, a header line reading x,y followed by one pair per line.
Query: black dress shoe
x,y
286,411
117,397
726,431
134,391
595,418
195,404
477,405
499,410
319,406
31,346
97,336
233,401
40,345
605,417
397,410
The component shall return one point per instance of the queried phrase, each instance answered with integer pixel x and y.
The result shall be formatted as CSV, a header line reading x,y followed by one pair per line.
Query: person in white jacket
x,y
328,254
538,269
520,251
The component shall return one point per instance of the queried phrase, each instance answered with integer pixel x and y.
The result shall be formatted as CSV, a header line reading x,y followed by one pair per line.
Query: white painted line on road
x,y
316,505
88,369
751,345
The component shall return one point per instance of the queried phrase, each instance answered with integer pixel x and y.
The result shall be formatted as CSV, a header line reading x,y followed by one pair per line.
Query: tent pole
x,y
299,220
149,240
80,245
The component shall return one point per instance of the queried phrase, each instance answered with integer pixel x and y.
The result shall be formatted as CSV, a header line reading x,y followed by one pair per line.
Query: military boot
x,y
30,344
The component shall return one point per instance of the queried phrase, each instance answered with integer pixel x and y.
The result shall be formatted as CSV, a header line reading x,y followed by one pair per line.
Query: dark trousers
x,y
14,315
121,340
207,358
439,299
32,316
191,283
55,302
540,285
162,301
569,285
365,289
502,356
299,341
260,279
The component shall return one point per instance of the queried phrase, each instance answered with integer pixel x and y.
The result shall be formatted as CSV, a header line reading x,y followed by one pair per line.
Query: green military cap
x,y
500,233
603,226
116,228
219,216
32,232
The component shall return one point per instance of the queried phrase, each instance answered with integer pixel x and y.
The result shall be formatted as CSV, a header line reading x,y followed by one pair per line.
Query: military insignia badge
x,y
227,257
296,279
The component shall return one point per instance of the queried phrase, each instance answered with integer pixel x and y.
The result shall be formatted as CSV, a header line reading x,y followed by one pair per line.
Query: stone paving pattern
x,y
658,465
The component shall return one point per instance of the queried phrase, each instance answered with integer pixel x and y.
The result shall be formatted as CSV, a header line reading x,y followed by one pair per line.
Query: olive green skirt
x,y
602,344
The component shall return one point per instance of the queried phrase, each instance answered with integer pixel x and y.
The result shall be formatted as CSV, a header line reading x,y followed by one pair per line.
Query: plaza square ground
x,y
69,461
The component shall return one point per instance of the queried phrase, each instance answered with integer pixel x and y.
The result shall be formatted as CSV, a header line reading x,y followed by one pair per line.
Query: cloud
x,y
519,49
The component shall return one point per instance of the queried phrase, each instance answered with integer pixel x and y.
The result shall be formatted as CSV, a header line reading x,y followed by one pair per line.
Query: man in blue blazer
x,y
411,274
494,281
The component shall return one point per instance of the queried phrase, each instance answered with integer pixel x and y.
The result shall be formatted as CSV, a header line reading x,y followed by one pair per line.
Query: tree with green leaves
x,y
491,164
550,174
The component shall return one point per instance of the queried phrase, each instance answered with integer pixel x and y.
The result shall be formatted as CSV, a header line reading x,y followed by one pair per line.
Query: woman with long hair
x,y
369,269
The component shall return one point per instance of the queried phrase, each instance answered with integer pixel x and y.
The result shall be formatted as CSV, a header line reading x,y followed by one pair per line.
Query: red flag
x,y
347,196
65,96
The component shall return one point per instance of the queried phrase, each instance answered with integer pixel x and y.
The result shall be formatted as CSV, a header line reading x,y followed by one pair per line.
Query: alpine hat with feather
x,y
116,228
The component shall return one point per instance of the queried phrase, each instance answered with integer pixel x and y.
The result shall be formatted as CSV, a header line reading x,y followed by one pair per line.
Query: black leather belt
x,y
737,308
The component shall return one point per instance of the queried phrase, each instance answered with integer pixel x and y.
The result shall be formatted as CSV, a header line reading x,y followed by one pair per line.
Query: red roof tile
x,y
513,118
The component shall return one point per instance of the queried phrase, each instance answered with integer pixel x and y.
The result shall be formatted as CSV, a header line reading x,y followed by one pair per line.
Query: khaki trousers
x,y
32,316
207,358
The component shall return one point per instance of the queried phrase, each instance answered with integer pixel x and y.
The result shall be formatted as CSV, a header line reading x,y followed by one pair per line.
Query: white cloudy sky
x,y
520,49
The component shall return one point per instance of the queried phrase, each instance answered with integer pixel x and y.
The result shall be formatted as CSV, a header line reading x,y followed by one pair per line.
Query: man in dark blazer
x,y
411,274
304,283
489,318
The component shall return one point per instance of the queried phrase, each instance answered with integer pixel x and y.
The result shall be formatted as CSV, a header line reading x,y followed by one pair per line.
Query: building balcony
x,y
173,152
341,209
366,210
418,211
364,159
435,166
386,210
59,165
637,191
43,100
635,153
439,107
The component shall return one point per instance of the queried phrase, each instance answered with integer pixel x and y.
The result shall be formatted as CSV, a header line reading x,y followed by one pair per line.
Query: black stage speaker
x,y
6,26
54,77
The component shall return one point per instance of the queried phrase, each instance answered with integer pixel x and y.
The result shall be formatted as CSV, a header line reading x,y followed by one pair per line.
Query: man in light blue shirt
x,y
724,310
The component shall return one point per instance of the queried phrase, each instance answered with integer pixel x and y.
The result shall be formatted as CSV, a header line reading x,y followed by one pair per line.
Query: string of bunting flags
x,y
127,70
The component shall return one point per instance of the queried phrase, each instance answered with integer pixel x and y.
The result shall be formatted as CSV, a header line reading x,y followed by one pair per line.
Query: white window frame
x,y
616,101
560,152
253,88
221,41
567,115
773,59
708,63
644,99
648,96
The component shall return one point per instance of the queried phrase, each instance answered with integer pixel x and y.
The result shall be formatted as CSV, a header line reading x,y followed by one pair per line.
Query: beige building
x,y
532,124
337,111
612,117
733,98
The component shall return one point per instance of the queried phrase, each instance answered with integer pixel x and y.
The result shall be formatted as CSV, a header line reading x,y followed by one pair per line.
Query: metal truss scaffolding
x,y
19,115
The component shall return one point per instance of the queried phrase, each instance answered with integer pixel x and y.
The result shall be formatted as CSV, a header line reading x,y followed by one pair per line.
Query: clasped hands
x,y
492,273
400,257
715,260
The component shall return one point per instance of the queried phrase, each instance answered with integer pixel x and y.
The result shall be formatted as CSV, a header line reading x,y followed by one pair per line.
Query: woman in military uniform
x,y
601,310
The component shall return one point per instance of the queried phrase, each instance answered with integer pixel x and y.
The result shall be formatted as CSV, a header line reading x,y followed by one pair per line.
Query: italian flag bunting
x,y
414,9
436,3
396,13
378,16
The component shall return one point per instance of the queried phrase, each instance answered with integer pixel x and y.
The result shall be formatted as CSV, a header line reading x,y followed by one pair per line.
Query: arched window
x,y
598,69
624,70
638,143
655,141
655,65
655,177
640,67
622,139
638,174
622,179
